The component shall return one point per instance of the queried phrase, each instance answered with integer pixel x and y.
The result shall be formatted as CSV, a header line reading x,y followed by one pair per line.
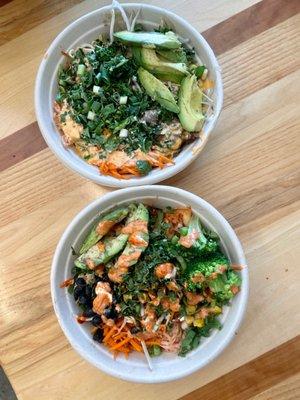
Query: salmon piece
x,y
198,278
165,271
193,298
149,319
173,286
103,297
235,289
181,216
189,240
172,305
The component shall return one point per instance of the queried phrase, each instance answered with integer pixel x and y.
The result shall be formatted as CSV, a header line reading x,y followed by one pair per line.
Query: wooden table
x,y
249,170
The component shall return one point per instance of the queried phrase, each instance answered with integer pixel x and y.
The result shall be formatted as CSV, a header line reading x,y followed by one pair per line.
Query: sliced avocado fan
x,y
163,69
150,40
157,90
174,55
190,104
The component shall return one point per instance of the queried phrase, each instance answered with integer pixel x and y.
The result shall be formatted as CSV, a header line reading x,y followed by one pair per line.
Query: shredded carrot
x,y
119,339
118,345
136,345
109,334
152,343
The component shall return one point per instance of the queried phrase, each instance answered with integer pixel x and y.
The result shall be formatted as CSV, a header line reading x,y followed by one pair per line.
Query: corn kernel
x,y
199,322
189,319
217,310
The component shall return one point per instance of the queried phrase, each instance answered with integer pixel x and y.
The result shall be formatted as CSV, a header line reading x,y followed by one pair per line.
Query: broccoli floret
x,y
223,286
197,241
198,273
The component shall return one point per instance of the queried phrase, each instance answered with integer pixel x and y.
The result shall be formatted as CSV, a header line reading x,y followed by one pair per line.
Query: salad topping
x,y
152,280
128,102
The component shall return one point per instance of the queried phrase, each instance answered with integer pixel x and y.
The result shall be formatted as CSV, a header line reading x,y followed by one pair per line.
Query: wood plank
x,y
254,377
22,144
289,389
19,16
250,22
3,2
18,70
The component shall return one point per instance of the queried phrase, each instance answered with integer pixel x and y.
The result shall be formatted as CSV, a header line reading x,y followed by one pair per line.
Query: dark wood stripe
x,y
3,2
254,377
19,17
250,22
21,145
223,36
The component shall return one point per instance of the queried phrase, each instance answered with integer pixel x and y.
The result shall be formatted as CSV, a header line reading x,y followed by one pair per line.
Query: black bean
x,y
110,313
82,300
98,335
96,321
89,313
77,292
135,329
80,282
114,299
88,291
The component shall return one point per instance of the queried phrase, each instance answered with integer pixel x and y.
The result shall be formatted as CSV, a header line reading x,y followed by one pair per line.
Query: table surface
x,y
249,170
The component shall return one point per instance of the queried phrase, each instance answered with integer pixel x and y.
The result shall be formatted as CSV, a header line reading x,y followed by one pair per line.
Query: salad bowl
x,y
85,30
167,366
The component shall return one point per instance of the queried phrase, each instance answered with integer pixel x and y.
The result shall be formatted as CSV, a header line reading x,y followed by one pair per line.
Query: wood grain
x,y
19,16
20,145
249,170
289,389
250,22
254,377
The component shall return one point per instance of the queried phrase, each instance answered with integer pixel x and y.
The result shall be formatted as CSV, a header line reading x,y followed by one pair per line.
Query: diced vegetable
x,y
123,99
81,69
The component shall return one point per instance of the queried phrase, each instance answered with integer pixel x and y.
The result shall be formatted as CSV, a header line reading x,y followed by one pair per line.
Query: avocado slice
x,y
174,55
150,40
190,106
136,53
157,90
164,70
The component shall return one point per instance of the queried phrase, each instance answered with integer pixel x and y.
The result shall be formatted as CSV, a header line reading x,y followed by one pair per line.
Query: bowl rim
x,y
160,175
112,198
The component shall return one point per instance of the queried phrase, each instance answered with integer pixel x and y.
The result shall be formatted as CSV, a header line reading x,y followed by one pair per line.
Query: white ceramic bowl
x,y
167,367
86,29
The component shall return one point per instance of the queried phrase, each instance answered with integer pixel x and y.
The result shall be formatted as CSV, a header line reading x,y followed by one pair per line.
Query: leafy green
x,y
154,351
143,166
193,335
109,68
